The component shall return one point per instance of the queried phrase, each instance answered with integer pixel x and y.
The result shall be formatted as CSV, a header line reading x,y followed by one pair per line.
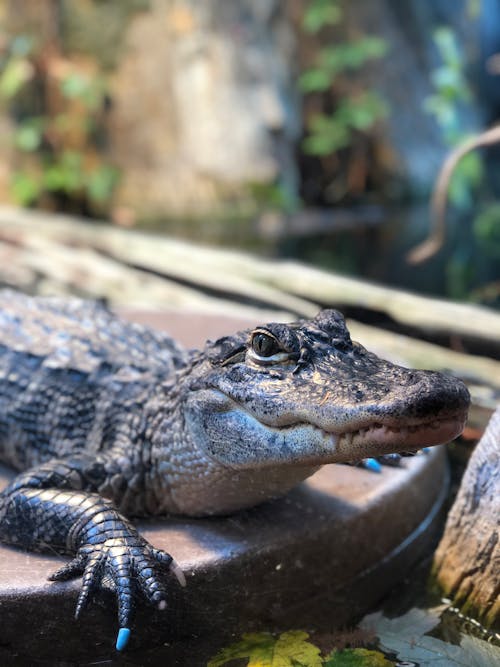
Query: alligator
x,y
106,419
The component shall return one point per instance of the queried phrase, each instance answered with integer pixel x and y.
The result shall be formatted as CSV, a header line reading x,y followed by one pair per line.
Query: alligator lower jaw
x,y
381,438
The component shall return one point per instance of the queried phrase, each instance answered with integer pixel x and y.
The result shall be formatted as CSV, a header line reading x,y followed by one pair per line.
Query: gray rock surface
x,y
213,112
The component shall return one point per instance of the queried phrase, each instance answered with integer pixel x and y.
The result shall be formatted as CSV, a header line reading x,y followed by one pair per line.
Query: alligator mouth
x,y
377,438
404,438
349,443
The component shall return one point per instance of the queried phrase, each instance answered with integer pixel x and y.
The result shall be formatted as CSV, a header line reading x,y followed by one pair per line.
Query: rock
x,y
467,562
212,112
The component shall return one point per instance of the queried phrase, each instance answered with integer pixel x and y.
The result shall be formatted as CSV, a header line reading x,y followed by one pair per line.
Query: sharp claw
x,y
174,567
71,569
372,464
89,581
82,601
122,638
179,574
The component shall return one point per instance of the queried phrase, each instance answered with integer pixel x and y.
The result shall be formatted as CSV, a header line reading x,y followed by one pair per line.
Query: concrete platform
x,y
315,559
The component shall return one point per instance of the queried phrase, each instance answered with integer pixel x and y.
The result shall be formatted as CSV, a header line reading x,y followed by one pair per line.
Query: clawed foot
x,y
131,564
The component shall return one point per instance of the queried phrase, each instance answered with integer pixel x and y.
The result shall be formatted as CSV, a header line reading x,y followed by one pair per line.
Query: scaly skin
x,y
109,419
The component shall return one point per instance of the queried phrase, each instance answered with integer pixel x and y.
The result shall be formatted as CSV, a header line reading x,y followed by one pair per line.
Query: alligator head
x,y
302,395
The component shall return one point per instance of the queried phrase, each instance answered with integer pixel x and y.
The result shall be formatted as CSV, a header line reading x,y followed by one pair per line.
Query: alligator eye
x,y
265,345
265,349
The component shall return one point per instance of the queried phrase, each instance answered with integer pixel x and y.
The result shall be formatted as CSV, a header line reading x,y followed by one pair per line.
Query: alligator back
x,y
69,371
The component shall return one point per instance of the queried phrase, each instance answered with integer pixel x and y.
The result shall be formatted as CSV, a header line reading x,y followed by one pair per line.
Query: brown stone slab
x,y
316,558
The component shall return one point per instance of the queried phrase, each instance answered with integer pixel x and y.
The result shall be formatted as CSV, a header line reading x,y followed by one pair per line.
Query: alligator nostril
x,y
439,393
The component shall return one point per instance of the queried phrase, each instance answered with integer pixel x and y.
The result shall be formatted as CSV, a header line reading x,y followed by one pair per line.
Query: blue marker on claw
x,y
372,464
122,638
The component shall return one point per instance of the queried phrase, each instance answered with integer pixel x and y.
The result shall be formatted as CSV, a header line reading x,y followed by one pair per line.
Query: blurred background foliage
x,y
332,72
341,109
262,124
58,109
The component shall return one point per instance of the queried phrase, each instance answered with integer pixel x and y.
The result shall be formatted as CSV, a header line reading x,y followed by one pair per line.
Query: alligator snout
x,y
438,395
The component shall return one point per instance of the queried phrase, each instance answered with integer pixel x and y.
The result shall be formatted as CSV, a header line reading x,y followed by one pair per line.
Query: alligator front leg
x,y
40,511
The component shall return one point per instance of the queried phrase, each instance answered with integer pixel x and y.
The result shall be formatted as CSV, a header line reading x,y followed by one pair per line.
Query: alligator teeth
x,y
401,431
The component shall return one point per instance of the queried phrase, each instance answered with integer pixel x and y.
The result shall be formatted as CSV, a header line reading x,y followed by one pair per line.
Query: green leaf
x,y
447,44
292,647
471,166
486,229
446,78
357,657
331,61
65,174
325,143
88,90
28,137
351,55
450,84
373,47
54,178
442,109
75,85
16,73
101,183
451,88
263,650
25,188
315,80
466,177
321,13
362,112
255,646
